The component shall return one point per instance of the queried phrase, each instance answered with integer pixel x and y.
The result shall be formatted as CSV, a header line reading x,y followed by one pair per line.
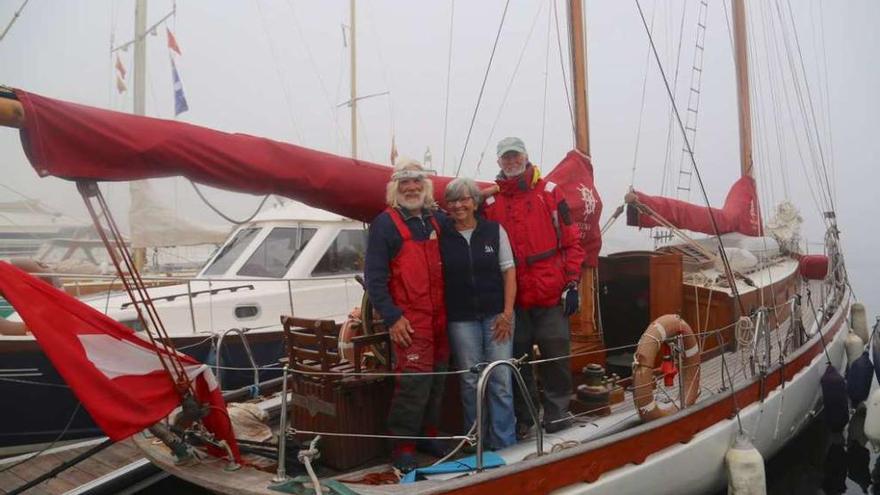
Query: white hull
x,y
698,466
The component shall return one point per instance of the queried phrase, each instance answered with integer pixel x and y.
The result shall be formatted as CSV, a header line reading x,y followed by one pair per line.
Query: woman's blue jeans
x,y
471,343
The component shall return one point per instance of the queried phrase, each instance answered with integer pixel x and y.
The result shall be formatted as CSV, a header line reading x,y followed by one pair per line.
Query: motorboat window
x,y
231,251
277,252
345,255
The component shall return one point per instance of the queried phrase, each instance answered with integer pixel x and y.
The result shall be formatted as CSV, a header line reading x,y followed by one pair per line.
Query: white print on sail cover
x,y
589,200
114,358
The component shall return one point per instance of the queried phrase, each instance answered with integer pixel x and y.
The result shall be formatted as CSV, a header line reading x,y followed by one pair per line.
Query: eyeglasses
x,y
459,201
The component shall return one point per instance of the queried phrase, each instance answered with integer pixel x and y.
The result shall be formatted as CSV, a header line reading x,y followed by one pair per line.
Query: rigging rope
x,y
562,66
15,17
304,41
546,81
482,88
668,155
509,86
448,78
802,106
287,97
632,177
48,447
812,110
224,216
721,250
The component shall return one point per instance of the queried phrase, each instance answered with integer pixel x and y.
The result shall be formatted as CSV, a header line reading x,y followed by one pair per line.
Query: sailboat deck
x,y
715,373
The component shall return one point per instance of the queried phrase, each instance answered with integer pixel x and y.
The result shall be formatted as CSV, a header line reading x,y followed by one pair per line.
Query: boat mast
x,y
585,332
353,45
140,97
741,57
578,49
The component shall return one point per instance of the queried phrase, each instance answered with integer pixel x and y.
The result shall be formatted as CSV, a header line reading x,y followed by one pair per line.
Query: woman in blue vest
x,y
480,281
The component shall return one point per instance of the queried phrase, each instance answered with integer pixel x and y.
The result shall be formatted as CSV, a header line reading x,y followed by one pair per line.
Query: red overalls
x,y
416,286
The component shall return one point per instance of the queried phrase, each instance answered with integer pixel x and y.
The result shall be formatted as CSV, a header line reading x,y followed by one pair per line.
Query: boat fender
x,y
854,346
813,266
835,400
872,419
875,349
859,320
745,468
855,431
859,376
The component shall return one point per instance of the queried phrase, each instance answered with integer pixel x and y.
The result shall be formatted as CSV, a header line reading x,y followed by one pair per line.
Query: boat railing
x,y
248,352
482,382
195,288
182,279
761,341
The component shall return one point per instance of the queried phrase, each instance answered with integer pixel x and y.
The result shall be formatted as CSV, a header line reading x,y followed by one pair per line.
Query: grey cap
x,y
511,144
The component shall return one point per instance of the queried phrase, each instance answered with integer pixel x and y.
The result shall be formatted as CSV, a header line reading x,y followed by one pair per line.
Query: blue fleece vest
x,y
474,285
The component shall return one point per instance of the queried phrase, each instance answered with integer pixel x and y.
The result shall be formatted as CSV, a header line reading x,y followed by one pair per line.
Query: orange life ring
x,y
660,330
352,327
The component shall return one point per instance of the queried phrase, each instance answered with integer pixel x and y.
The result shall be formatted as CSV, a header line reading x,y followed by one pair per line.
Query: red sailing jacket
x,y
544,239
416,286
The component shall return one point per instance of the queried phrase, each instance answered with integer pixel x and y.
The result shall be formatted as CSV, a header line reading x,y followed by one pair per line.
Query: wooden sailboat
x,y
766,333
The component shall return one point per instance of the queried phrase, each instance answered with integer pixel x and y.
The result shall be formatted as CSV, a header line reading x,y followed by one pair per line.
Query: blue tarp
x,y
463,465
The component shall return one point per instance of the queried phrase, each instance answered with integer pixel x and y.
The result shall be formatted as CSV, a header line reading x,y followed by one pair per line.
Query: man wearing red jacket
x,y
548,258
404,276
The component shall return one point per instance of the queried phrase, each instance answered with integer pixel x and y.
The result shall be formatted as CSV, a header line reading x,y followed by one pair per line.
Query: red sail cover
x,y
115,374
574,175
739,214
80,142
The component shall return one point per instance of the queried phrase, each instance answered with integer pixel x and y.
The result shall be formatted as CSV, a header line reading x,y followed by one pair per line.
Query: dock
x,y
103,465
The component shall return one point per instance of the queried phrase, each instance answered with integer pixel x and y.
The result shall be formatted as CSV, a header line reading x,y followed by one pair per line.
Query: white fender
x,y
854,347
859,320
745,469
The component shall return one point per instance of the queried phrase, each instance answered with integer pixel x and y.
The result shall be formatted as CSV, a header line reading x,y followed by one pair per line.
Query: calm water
x,y
815,462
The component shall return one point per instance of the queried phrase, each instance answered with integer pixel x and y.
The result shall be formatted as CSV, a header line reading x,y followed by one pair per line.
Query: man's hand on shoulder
x,y
401,332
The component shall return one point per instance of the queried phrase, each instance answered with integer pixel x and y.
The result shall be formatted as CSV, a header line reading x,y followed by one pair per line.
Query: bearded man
x,y
404,279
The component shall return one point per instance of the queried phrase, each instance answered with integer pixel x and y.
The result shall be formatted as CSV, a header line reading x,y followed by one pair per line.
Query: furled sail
x,y
739,214
74,141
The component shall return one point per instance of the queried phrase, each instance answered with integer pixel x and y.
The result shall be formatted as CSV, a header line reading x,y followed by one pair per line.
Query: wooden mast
x,y
353,44
741,57
584,335
578,48
140,102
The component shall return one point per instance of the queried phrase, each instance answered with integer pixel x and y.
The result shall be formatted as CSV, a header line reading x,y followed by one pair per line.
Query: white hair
x,y
404,163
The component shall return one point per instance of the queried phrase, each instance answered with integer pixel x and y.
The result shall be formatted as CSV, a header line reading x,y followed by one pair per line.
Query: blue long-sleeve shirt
x,y
383,244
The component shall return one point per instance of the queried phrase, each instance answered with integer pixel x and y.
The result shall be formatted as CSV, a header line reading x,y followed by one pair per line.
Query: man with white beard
x,y
404,278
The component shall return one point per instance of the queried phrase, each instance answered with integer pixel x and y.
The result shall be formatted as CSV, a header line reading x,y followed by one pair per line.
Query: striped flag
x,y
120,68
172,41
180,104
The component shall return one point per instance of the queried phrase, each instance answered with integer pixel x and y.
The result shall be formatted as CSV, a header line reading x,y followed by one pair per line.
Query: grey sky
x,y
279,68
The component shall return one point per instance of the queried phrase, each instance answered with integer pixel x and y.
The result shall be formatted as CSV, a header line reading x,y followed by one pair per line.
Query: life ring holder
x,y
361,324
659,331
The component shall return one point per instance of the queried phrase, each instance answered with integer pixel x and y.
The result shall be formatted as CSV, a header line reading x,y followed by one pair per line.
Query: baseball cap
x,y
511,144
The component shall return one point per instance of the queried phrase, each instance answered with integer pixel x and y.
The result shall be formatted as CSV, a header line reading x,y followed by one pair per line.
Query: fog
x,y
280,69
